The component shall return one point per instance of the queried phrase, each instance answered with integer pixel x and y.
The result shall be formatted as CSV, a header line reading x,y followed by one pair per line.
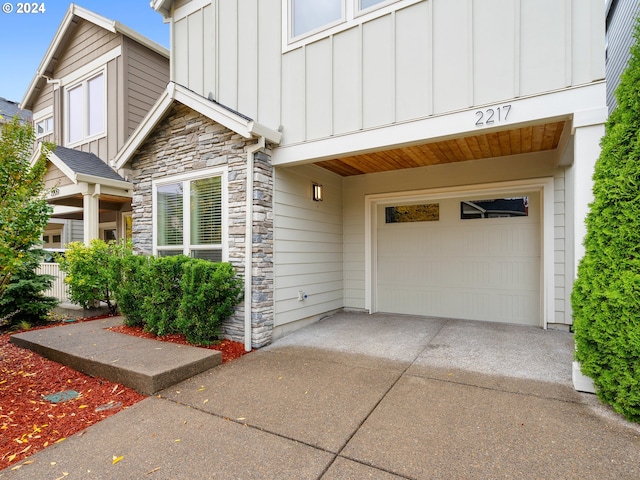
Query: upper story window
x,y
44,127
86,108
315,14
309,20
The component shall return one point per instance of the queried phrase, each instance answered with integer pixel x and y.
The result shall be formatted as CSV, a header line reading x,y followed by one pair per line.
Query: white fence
x,y
58,287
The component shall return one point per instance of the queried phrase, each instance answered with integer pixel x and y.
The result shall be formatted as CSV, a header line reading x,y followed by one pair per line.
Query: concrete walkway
x,y
144,365
366,396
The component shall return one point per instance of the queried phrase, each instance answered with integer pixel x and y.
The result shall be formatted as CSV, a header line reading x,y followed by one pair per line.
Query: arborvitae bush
x,y
606,294
210,292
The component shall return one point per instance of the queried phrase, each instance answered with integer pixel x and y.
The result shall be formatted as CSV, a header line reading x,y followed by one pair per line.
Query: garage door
x,y
467,258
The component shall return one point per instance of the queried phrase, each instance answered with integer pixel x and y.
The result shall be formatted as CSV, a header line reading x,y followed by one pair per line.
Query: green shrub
x,y
93,271
210,292
162,300
23,300
606,293
132,288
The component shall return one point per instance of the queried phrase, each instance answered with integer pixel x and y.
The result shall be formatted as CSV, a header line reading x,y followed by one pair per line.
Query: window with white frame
x,y
86,108
307,17
44,127
189,216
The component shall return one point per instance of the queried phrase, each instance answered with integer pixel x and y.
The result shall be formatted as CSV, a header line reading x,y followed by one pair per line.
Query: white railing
x,y
58,287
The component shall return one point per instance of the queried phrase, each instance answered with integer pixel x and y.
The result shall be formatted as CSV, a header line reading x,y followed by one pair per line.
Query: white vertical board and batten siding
x,y
308,244
226,50
425,58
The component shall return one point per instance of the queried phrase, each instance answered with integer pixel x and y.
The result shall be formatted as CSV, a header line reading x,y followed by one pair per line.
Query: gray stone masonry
x,y
186,141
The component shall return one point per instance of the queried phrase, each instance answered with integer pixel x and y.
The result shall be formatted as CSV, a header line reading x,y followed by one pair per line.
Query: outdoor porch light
x,y
317,192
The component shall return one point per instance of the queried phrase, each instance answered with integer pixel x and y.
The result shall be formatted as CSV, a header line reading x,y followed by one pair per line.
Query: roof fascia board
x,y
146,126
163,7
141,39
63,167
109,25
57,38
107,182
242,126
213,111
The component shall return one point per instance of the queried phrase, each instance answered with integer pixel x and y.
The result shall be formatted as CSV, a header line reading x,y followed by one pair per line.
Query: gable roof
x,y
85,167
211,109
64,32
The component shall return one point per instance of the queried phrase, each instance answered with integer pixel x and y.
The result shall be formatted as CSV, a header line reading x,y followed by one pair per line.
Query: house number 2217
x,y
492,115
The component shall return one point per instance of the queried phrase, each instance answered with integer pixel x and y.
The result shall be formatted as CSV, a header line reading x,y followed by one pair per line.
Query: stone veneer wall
x,y
186,141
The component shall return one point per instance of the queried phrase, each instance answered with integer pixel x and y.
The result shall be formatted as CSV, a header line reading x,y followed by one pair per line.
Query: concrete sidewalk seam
x,y
493,389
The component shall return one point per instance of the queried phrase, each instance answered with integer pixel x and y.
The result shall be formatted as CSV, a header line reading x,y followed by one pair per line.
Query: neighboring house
x,y
97,80
9,109
621,19
347,114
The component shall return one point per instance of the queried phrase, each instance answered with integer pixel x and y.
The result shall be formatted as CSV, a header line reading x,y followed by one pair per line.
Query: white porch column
x,y
91,213
588,129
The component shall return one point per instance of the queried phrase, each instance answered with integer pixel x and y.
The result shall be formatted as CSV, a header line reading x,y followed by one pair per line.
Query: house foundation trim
x,y
545,186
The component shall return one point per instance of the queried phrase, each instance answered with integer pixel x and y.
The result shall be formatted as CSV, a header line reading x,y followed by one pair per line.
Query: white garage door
x,y
486,266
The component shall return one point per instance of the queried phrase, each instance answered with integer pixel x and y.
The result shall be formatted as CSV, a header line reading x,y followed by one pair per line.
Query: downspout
x,y
248,244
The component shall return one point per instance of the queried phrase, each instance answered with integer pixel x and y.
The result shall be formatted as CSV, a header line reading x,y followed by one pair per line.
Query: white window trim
x,y
352,16
186,214
84,82
40,116
45,132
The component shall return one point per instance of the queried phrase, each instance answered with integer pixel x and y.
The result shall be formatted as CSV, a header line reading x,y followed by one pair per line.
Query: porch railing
x,y
58,287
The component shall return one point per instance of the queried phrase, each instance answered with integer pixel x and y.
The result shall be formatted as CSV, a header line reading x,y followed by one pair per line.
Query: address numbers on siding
x,y
493,115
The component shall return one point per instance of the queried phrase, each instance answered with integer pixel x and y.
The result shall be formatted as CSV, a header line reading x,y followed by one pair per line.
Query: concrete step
x,y
144,365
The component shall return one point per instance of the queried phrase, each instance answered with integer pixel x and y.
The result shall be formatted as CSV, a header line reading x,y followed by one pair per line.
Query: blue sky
x,y
24,38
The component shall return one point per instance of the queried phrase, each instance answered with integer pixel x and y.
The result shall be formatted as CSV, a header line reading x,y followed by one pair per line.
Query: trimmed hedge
x,y
178,294
175,294
606,293
210,292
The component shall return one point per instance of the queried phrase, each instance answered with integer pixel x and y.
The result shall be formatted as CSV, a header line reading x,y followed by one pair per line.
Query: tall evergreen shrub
x,y
606,294
24,299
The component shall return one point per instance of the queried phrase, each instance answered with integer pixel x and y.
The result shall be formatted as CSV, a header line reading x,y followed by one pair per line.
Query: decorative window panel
x,y
429,212
494,208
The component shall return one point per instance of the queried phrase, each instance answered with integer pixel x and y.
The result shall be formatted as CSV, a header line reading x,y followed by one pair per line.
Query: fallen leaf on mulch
x,y
29,423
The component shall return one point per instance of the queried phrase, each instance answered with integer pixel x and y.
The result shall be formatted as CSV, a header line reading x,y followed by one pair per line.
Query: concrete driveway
x,y
366,396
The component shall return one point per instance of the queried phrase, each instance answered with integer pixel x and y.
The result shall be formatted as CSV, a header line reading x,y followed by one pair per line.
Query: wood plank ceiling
x,y
536,138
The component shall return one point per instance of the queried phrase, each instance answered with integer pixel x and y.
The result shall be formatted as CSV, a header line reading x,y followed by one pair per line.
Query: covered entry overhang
x,y
81,186
563,128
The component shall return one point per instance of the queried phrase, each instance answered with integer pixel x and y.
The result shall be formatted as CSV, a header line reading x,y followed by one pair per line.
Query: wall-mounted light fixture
x,y
317,192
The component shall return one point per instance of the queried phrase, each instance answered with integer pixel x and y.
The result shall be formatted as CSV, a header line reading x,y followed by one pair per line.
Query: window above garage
x,y
429,212
494,208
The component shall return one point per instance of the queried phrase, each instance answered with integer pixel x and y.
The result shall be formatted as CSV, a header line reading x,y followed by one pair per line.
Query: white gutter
x,y
248,244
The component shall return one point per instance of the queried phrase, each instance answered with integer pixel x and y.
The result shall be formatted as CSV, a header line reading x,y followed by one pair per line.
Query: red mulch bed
x,y
29,423
230,350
